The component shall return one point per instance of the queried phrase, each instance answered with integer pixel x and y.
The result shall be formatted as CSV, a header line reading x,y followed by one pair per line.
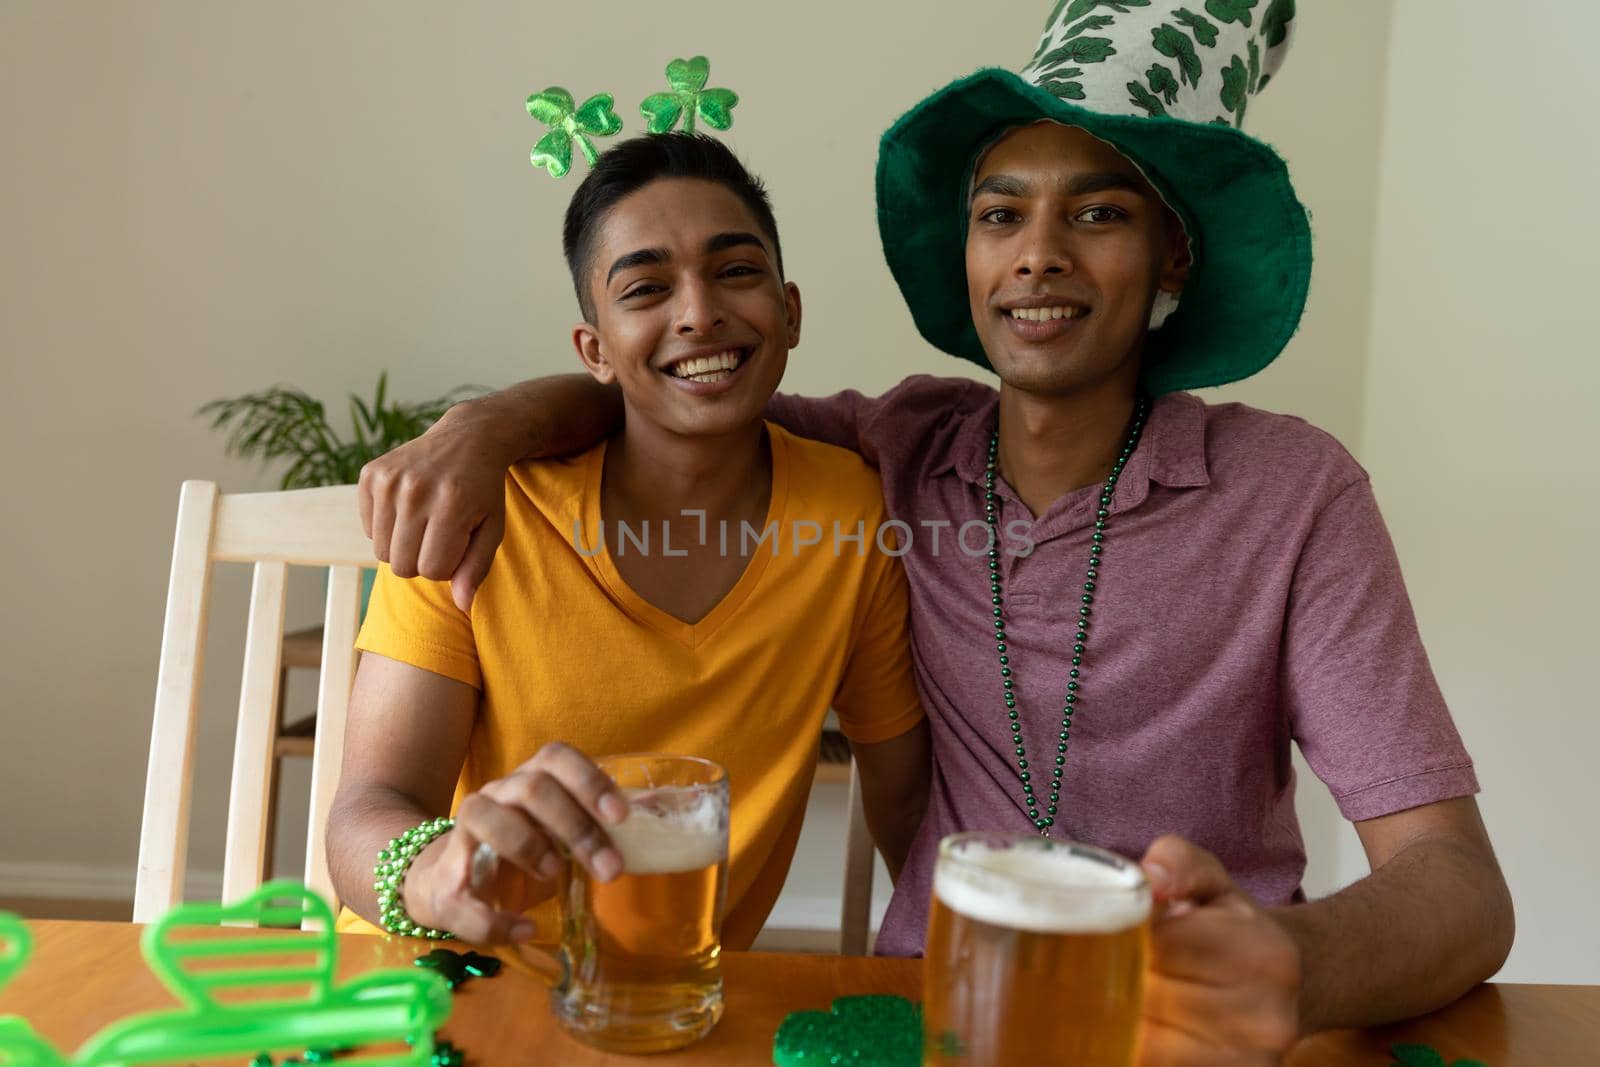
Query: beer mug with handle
x,y
1035,947
638,965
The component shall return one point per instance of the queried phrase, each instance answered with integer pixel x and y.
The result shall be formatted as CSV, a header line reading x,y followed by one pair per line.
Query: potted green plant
x,y
286,424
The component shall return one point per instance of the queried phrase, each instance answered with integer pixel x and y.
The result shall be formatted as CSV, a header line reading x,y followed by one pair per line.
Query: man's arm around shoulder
x,y
435,506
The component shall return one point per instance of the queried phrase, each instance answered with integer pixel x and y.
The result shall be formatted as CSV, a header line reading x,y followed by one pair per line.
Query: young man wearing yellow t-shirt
x,y
704,583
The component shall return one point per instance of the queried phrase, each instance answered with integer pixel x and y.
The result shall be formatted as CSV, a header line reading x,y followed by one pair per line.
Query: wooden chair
x,y
309,527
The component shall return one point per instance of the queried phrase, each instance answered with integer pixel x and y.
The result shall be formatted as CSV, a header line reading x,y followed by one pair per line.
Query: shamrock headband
x,y
570,123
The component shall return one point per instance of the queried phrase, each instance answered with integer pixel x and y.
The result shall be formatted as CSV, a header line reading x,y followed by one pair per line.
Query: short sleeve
x,y
836,420
1363,702
877,697
874,426
414,620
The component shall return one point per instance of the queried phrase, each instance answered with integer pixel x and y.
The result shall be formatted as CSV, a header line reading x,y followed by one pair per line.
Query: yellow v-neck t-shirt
x,y
563,650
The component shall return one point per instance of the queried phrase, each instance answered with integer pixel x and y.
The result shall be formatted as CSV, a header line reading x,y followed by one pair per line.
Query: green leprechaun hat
x,y
1167,85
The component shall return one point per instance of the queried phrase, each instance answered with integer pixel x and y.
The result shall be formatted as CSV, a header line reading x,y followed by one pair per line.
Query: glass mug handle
x,y
551,968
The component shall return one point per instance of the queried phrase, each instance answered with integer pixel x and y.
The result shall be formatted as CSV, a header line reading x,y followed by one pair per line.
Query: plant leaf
x,y
358,415
1170,41
1230,10
689,75
596,116
1141,96
1275,22
716,107
554,152
288,424
551,106
1204,32
1254,84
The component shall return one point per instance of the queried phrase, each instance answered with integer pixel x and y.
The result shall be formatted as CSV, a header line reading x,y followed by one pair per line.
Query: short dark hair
x,y
635,163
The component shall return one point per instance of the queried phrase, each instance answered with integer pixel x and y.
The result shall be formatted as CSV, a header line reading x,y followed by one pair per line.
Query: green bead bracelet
x,y
389,878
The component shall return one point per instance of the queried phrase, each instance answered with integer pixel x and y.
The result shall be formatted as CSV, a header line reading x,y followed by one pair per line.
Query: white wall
x,y
201,199
1480,427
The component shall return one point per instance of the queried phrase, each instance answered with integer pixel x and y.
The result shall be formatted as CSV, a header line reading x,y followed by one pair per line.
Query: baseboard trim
x,y
91,881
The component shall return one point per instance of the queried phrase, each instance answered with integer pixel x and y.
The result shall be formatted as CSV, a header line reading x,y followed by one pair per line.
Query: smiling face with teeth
x,y
690,314
1067,244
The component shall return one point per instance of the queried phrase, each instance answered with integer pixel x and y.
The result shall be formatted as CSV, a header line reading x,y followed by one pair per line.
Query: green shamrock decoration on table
x,y
1425,1056
865,1031
568,123
689,97
456,967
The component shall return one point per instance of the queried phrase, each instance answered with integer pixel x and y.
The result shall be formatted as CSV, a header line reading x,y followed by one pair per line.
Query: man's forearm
x,y
358,827
1410,938
552,416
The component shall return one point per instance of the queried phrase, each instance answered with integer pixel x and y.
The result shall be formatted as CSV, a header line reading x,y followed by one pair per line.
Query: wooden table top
x,y
84,975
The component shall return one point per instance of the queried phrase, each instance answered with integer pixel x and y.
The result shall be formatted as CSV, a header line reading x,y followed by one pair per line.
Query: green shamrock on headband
x,y
593,118
689,97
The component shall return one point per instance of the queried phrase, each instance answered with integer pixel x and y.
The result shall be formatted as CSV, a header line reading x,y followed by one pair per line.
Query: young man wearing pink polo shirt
x,y
1126,603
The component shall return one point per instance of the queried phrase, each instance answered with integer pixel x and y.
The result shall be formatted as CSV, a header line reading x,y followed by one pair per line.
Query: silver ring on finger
x,y
485,864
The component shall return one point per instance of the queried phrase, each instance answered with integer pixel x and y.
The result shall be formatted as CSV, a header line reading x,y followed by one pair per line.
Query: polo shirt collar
x,y
1171,452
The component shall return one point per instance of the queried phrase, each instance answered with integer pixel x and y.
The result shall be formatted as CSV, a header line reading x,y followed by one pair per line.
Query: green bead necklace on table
x,y
1096,544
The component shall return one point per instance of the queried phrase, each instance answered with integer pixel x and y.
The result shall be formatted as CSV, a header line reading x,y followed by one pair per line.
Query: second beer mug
x,y
1034,946
640,955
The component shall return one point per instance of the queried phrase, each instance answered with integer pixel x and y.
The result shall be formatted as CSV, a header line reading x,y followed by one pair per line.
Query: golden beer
x,y
643,950
1034,947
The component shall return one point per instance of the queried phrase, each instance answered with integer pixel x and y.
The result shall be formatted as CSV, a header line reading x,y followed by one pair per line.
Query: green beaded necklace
x,y
1097,541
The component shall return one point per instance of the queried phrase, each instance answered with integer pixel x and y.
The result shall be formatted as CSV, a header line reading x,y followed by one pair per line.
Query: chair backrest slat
x,y
247,844
306,527
164,832
333,700
855,912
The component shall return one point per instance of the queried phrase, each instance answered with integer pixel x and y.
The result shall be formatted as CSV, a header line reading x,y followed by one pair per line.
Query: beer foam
x,y
665,842
1042,890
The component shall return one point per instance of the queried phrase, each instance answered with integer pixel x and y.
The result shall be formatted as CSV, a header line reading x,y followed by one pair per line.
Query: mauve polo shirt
x,y
1249,597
